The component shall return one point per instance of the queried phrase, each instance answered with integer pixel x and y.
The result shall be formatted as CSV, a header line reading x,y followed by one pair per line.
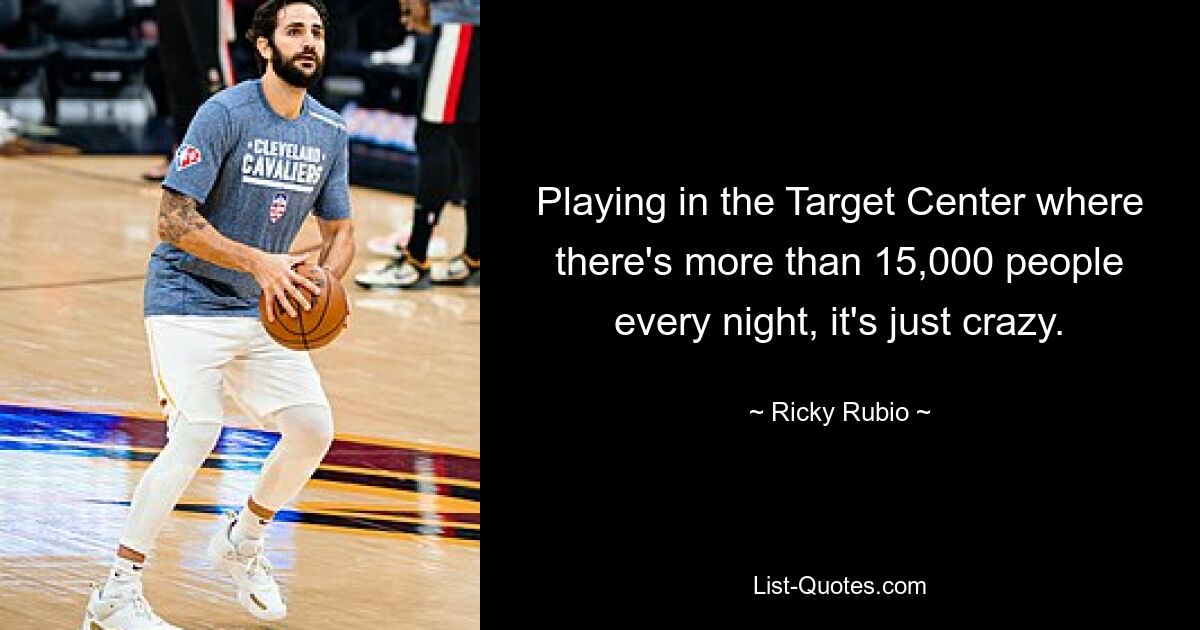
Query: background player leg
x,y
464,270
435,184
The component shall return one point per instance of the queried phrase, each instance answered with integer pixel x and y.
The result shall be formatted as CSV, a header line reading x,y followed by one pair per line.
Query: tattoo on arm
x,y
177,216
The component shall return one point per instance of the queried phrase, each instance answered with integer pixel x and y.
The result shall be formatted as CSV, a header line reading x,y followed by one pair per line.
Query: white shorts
x,y
195,358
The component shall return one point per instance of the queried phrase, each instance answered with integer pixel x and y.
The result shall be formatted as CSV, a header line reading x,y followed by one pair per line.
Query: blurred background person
x,y
448,129
193,46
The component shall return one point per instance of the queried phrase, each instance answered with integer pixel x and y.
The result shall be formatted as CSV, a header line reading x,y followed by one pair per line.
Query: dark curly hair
x,y
266,19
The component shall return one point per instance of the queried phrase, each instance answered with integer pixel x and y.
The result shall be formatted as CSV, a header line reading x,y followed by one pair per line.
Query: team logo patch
x,y
278,206
188,155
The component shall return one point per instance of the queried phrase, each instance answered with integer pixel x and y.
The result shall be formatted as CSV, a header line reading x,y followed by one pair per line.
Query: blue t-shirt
x,y
257,175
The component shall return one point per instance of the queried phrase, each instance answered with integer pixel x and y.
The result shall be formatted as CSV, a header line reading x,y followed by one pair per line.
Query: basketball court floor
x,y
387,534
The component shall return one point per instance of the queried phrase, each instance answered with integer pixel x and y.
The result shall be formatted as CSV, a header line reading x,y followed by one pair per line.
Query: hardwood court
x,y
387,534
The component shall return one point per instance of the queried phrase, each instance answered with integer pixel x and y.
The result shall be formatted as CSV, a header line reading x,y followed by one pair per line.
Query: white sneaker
x,y
462,271
125,610
395,275
252,575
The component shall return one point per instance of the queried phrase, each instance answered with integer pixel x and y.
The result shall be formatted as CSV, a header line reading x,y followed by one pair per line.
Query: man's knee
x,y
193,441
308,427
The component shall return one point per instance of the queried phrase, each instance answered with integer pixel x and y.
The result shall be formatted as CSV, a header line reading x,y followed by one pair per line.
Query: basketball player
x,y
256,160
448,120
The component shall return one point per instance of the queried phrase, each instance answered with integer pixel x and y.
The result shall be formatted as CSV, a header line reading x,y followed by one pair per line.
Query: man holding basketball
x,y
257,158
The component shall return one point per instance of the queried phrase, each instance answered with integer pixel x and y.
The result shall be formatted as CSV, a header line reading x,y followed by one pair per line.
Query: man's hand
x,y
276,274
414,15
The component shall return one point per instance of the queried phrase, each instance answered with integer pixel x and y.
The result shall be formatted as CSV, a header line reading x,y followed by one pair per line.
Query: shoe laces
x,y
133,595
143,610
257,565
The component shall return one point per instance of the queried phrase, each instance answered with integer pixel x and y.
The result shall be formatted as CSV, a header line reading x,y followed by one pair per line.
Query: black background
x,y
636,487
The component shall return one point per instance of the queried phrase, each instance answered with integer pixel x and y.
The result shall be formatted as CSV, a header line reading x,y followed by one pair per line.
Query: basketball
x,y
314,328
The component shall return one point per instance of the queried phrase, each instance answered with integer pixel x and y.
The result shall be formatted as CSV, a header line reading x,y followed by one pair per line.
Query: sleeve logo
x,y
188,156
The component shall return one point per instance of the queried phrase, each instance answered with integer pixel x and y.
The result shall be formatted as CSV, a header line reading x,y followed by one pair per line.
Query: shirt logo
x,y
188,156
278,206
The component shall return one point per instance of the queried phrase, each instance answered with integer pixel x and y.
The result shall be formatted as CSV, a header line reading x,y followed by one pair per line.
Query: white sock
x,y
248,527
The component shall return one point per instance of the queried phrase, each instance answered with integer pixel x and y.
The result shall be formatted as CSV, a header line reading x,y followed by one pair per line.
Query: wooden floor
x,y
386,536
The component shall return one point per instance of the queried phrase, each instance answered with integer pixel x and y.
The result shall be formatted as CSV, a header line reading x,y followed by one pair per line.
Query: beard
x,y
289,70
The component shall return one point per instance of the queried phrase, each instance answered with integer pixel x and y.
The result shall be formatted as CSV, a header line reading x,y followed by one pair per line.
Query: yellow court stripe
x,y
392,474
412,446
398,519
360,505
405,535
355,510
443,503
